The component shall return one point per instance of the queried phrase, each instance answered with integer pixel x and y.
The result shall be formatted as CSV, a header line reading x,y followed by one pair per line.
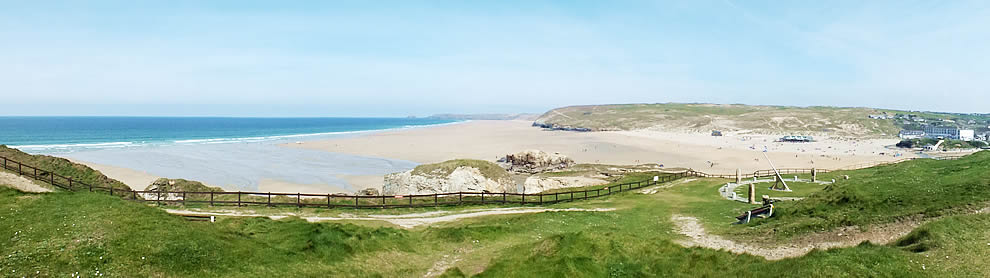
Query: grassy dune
x,y
850,122
58,234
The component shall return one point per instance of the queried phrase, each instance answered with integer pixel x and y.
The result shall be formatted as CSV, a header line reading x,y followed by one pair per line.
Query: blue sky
x,y
398,58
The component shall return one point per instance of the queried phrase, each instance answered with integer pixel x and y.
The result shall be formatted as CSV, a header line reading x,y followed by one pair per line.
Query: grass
x,y
488,169
798,189
62,167
851,122
58,234
925,188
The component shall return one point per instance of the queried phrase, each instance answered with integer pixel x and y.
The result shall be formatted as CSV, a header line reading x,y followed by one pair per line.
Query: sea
x,y
234,153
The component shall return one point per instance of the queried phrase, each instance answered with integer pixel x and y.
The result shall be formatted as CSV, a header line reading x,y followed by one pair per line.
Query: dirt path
x,y
843,237
407,221
21,183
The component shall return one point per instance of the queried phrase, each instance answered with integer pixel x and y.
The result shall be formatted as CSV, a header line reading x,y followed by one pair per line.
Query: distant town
x,y
929,130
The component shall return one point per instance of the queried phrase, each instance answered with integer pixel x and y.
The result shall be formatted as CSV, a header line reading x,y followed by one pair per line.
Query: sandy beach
x,y
488,140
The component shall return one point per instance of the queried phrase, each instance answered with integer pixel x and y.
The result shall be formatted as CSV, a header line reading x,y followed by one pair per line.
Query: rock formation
x,y
537,184
451,176
534,161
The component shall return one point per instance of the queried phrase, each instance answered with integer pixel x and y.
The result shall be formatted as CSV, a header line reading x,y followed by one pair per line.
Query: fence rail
x,y
240,198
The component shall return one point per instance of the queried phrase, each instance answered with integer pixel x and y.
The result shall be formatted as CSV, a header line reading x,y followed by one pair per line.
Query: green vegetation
x,y
853,122
488,169
798,189
948,144
61,233
847,122
62,167
926,188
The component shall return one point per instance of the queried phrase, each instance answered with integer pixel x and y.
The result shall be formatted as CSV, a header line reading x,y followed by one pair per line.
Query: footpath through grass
x,y
62,233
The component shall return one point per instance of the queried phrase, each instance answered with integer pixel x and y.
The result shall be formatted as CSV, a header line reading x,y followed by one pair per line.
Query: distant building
x,y
879,117
911,134
967,135
797,139
942,132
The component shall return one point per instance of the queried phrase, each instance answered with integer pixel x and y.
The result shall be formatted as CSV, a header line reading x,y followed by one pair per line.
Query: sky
x,y
401,58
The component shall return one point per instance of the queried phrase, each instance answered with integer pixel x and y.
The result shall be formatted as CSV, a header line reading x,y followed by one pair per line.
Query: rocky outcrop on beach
x,y
170,189
534,161
537,184
450,176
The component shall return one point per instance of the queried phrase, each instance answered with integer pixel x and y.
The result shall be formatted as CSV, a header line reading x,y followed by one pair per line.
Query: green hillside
x,y
846,122
62,233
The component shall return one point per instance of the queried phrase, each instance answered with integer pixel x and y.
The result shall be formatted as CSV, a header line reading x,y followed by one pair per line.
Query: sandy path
x,y
839,238
407,221
488,140
21,183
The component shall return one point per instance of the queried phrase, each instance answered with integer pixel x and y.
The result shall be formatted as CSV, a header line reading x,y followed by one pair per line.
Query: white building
x,y
967,135
911,134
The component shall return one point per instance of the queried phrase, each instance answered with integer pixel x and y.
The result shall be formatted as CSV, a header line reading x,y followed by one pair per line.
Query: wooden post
x,y
541,199
572,196
482,197
111,187
524,198
134,194
270,199
70,183
586,194
503,198
298,199
814,175
328,199
211,197
35,173
383,200
183,198
238,198
19,172
411,202
158,197
460,198
356,205
752,193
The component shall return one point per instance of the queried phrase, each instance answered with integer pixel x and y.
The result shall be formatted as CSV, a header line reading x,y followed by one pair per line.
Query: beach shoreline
x,y
489,140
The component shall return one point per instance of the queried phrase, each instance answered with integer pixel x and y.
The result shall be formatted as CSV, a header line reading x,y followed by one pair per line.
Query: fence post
x,y
211,197
503,198
436,199
586,194
158,197
183,198
52,175
328,199
70,183
298,199
238,198
35,173
270,199
383,200
460,198
411,200
524,198
356,205
19,172
541,199
482,197
111,188
134,194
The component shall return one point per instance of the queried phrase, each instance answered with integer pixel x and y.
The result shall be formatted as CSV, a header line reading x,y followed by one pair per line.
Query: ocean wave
x,y
72,146
210,141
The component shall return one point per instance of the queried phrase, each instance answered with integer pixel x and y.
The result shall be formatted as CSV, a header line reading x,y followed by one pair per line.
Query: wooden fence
x,y
240,198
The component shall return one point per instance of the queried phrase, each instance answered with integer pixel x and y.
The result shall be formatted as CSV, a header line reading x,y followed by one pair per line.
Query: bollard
x,y
752,193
